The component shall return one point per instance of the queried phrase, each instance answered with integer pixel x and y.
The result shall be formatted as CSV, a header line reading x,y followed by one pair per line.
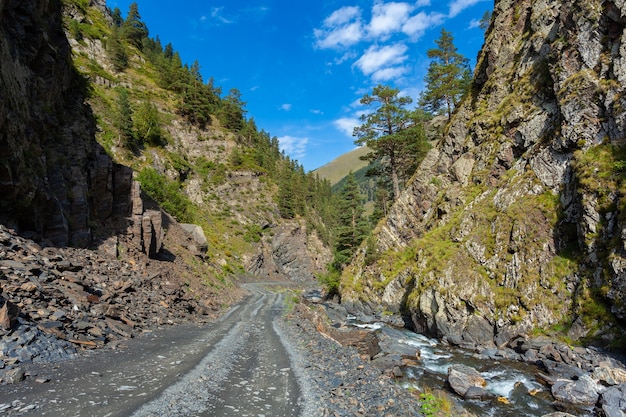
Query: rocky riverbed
x,y
529,376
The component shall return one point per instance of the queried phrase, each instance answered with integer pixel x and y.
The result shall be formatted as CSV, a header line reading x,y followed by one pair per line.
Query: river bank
x,y
529,376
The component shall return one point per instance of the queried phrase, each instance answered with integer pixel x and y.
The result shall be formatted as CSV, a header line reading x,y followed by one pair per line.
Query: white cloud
x,y
293,146
344,15
386,74
216,13
420,23
377,58
474,24
342,28
286,107
346,125
345,57
457,6
316,111
422,3
388,18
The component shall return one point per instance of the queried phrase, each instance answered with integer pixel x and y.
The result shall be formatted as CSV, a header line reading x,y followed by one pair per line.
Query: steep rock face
x,y
515,220
290,253
56,181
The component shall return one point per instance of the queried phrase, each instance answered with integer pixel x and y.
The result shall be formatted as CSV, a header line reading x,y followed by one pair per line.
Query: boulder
x,y
8,315
196,233
584,391
614,401
477,393
462,377
609,375
365,341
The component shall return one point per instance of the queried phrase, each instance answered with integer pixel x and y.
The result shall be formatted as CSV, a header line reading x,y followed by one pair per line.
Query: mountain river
x,y
514,385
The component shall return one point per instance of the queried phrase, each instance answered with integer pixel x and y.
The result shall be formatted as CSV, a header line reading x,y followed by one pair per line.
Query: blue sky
x,y
302,66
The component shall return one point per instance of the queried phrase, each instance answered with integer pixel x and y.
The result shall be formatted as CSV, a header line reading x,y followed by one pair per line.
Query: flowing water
x,y
514,385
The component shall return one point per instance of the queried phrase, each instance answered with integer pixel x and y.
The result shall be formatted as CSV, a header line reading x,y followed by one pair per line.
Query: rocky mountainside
x,y
514,223
67,178
86,256
58,183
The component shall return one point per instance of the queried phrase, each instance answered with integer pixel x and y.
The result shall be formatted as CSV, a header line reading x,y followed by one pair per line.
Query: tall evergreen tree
x,y
448,78
232,112
352,226
394,133
124,119
116,15
133,29
286,198
116,51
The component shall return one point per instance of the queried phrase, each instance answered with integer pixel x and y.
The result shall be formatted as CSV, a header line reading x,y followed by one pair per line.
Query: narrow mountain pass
x,y
236,366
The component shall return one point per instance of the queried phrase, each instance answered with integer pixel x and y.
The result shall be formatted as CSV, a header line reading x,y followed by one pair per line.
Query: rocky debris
x,y
344,384
462,377
583,391
614,401
609,376
58,301
8,315
477,393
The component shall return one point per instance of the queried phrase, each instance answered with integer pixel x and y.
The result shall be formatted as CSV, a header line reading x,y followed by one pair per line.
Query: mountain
x,y
340,167
110,142
514,223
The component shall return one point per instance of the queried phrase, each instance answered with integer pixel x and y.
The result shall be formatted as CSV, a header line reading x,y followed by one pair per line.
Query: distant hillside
x,y
340,167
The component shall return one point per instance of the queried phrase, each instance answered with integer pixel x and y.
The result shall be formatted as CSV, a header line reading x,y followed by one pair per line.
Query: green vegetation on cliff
x,y
194,150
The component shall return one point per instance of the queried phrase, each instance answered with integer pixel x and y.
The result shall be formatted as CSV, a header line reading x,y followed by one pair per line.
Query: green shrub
x,y
167,193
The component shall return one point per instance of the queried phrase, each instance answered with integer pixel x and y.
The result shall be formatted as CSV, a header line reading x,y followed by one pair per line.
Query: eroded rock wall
x,y
515,220
289,253
56,182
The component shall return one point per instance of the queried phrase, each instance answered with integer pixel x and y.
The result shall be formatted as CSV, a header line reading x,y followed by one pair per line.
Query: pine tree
x,y
123,119
147,125
448,78
286,199
116,16
133,29
393,133
232,110
352,226
199,101
117,52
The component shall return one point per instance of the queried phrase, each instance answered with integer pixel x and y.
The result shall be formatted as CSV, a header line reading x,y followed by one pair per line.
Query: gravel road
x,y
237,366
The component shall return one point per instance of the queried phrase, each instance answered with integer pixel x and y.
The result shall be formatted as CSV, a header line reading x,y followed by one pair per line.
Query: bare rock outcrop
x,y
515,220
289,253
56,181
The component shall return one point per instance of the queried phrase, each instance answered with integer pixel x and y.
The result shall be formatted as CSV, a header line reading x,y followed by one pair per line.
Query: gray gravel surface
x,y
255,361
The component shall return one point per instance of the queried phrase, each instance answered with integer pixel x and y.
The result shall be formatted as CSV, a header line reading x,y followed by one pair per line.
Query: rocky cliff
x,y
57,182
515,221
290,253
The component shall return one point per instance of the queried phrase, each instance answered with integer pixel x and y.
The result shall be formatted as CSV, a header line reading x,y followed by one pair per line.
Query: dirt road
x,y
237,366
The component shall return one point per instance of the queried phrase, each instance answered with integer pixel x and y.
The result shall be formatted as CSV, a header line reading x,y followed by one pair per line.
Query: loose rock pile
x,y
56,301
